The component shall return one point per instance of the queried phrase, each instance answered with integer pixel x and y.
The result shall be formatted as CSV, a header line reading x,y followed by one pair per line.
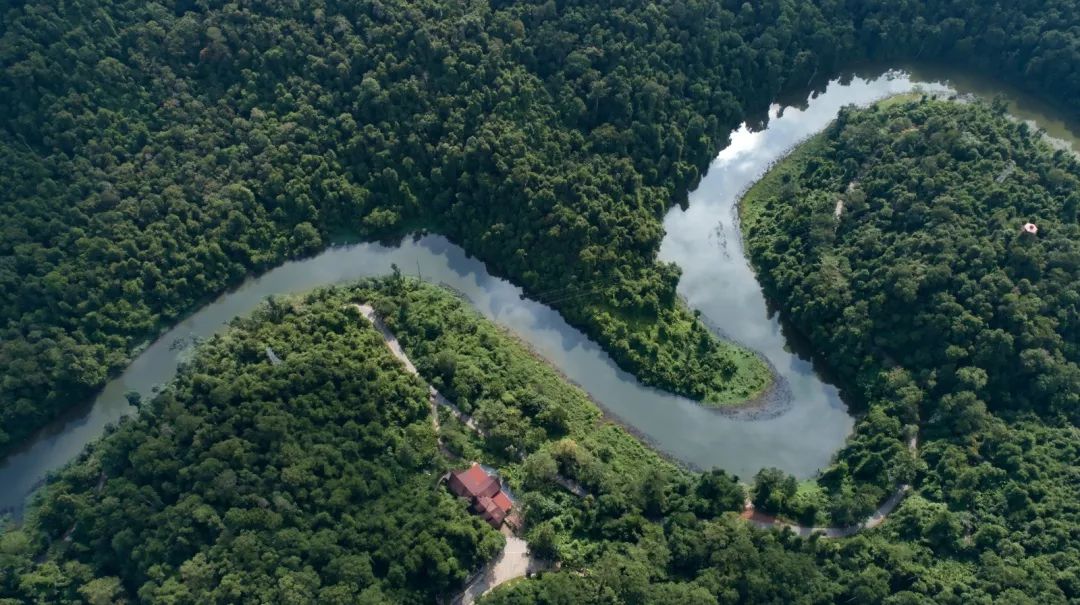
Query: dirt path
x,y
765,521
435,398
515,560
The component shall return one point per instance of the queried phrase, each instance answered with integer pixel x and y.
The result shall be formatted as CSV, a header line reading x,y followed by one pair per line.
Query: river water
x,y
808,426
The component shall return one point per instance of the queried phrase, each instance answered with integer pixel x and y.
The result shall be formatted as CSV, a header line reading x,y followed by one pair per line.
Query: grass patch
x,y
771,185
681,350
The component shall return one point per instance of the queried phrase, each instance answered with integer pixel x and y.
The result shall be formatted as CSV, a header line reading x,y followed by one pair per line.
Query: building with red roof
x,y
485,493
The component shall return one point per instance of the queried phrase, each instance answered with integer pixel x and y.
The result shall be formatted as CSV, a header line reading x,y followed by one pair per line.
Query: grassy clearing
x,y
681,345
771,185
899,99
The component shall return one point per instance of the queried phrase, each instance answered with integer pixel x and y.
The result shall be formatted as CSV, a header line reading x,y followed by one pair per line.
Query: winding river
x,y
717,280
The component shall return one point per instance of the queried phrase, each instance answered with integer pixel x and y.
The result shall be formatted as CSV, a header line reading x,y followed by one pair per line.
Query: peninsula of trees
x,y
930,251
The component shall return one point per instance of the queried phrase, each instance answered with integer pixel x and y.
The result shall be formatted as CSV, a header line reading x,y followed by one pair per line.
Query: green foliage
x,y
774,490
937,310
158,152
537,425
314,479
244,481
249,482
929,268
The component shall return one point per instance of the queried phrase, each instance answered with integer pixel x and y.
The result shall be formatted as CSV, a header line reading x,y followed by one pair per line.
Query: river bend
x,y
717,280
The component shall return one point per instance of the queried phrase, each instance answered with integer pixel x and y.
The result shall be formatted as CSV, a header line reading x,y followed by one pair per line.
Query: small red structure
x,y
485,493
1031,228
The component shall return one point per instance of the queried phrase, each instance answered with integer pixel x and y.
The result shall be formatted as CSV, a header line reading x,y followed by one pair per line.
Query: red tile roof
x,y
502,501
473,483
484,491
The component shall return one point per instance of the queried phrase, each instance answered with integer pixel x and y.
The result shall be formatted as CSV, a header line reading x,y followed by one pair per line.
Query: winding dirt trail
x,y
435,398
515,560
766,521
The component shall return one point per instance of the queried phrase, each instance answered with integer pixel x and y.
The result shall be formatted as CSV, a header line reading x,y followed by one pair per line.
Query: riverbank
x,y
496,378
697,436
770,403
791,163
750,514
785,169
925,183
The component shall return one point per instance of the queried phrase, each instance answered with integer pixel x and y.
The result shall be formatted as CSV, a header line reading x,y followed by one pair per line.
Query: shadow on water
x,y
800,346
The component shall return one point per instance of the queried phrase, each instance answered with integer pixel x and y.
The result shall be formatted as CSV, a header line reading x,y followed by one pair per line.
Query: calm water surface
x,y
717,280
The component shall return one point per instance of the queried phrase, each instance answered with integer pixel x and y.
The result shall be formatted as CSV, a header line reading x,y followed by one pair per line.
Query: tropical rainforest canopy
x,y
247,481
896,240
154,153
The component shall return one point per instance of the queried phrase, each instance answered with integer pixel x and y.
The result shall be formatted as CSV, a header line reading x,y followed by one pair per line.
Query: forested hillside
x,y
248,481
1031,42
314,480
153,153
934,304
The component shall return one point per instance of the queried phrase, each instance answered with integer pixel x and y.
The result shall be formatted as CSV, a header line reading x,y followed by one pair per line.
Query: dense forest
x,y
895,241
277,489
314,480
246,481
154,153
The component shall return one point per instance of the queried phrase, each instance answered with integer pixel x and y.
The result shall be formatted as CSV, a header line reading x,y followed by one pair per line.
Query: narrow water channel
x,y
717,280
